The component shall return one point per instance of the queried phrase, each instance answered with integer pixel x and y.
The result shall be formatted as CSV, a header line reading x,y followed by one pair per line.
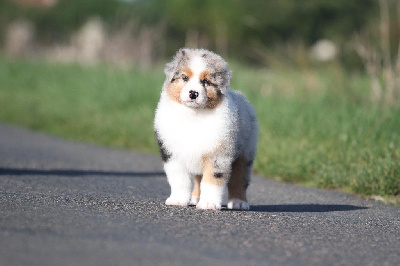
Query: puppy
x,y
207,133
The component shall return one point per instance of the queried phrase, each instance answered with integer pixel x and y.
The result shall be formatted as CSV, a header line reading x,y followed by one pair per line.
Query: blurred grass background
x,y
313,135
328,122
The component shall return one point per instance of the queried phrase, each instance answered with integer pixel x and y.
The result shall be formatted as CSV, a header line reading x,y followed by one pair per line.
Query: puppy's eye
x,y
185,78
205,82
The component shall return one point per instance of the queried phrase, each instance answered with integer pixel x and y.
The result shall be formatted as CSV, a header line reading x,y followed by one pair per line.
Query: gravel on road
x,y
68,203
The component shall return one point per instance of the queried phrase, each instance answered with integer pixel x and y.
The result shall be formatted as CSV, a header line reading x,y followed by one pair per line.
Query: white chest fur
x,y
190,134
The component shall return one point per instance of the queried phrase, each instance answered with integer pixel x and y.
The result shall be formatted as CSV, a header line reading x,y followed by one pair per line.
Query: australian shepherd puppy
x,y
206,132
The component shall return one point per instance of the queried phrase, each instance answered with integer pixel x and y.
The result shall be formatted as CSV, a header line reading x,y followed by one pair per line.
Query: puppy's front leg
x,y
212,187
180,182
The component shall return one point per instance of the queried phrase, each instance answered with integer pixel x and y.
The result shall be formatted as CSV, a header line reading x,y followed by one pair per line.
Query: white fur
x,y
180,184
237,204
194,200
211,197
197,66
190,132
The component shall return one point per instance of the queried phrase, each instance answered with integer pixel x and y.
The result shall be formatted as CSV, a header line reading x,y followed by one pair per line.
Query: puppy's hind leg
x,y
238,183
196,190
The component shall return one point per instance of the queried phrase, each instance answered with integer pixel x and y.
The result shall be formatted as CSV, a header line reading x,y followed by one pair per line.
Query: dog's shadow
x,y
305,208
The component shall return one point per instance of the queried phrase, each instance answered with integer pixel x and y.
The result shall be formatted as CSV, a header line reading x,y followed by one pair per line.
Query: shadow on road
x,y
305,208
72,172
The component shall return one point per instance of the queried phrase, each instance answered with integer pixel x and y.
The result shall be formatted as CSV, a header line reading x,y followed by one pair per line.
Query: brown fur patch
x,y
204,75
196,187
214,97
208,174
174,90
239,180
187,72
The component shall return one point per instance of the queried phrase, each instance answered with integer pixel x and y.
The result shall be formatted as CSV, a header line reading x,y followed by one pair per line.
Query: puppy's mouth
x,y
192,103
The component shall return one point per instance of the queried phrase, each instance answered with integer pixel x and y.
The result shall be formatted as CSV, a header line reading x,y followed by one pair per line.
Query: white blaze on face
x,y
197,65
194,94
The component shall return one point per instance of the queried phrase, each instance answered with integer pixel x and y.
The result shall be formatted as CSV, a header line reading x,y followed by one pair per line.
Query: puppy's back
x,y
247,124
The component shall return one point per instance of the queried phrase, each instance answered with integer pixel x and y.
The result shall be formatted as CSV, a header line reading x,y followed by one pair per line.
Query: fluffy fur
x,y
206,132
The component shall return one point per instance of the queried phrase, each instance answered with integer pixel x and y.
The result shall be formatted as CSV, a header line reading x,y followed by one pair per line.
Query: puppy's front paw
x,y
173,201
237,204
194,201
205,205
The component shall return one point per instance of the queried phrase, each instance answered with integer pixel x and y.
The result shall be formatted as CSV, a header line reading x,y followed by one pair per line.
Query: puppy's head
x,y
197,78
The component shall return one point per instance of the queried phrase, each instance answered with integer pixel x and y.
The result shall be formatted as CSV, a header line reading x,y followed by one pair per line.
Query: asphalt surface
x,y
66,203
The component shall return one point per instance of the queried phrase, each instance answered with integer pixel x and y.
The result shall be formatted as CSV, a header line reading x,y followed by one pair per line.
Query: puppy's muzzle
x,y
193,95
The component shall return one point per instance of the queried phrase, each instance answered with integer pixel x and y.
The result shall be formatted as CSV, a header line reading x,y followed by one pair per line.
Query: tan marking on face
x,y
187,72
208,174
196,187
174,90
175,87
204,75
214,97
239,179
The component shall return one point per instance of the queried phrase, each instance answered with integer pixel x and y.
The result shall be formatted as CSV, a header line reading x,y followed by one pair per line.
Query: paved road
x,y
65,203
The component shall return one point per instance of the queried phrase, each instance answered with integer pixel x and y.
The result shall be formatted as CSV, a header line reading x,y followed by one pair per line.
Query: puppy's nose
x,y
193,95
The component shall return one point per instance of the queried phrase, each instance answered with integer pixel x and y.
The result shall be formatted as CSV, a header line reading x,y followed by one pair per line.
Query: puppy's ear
x,y
179,59
223,79
169,70
182,52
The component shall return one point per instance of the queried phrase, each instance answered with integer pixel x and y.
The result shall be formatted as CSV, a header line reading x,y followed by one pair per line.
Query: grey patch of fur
x,y
165,155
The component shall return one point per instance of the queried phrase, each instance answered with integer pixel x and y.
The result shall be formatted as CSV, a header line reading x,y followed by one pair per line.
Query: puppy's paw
x,y
205,205
237,204
194,200
173,201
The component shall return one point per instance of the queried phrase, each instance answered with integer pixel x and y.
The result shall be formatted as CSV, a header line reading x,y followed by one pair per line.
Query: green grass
x,y
317,126
99,105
